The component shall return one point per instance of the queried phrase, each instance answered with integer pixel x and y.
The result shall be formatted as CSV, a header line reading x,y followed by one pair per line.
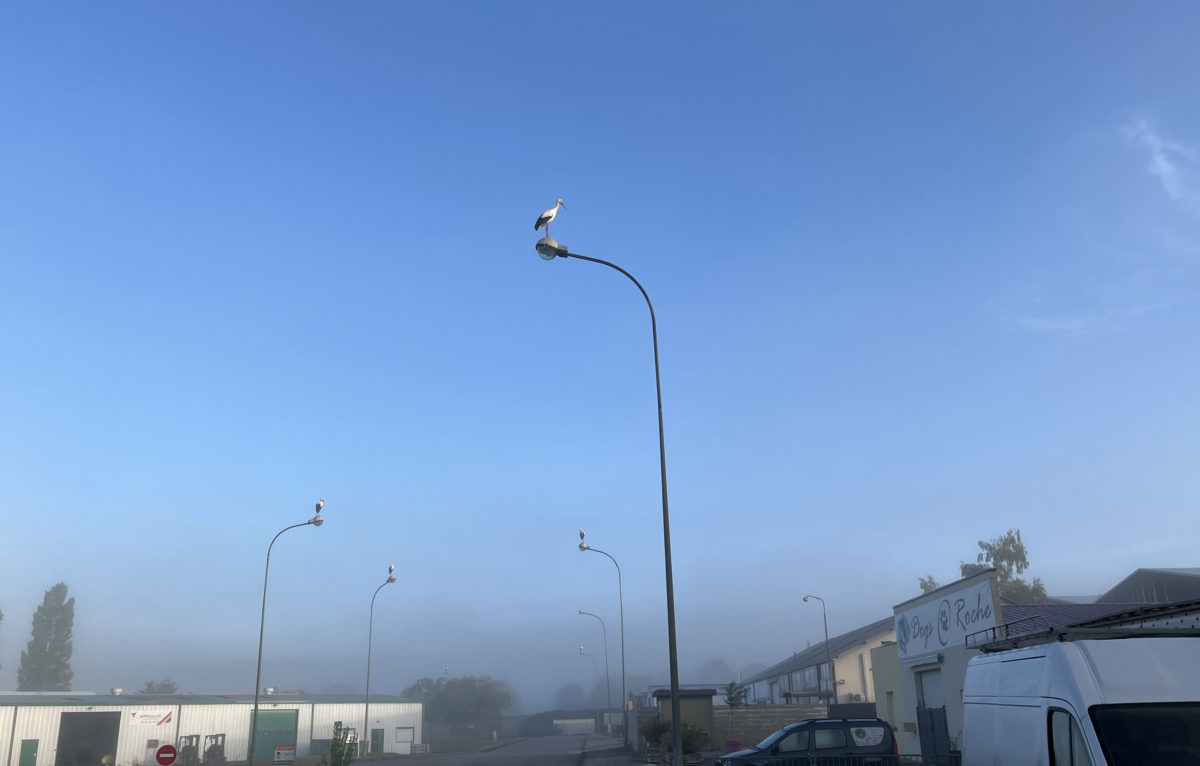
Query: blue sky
x,y
923,272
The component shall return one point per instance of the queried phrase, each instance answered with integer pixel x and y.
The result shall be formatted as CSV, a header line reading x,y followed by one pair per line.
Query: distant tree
x,y
423,689
46,661
165,686
1008,556
469,699
472,699
569,696
928,584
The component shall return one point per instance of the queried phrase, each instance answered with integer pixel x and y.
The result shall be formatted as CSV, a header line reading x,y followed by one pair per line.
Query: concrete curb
x,y
499,745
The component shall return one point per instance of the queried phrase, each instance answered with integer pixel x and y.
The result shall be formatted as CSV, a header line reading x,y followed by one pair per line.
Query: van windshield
x,y
1149,734
771,739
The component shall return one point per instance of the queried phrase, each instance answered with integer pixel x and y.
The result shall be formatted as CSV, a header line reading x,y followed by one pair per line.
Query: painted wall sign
x,y
149,718
944,622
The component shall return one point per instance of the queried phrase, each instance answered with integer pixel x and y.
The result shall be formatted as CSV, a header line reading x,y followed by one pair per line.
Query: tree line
x,y
479,700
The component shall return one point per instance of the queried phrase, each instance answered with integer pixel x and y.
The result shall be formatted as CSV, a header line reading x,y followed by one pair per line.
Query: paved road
x,y
534,751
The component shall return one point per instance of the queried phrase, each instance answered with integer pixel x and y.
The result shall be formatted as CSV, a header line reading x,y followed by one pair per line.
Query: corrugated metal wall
x,y
388,716
145,727
6,744
232,720
41,722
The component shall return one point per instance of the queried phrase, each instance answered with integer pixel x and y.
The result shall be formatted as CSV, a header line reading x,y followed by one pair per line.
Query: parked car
x,y
848,741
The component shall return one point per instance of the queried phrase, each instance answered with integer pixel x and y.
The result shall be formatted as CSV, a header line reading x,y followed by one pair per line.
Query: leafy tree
x,y
469,699
653,730
1008,555
165,686
423,689
46,661
694,739
735,695
928,584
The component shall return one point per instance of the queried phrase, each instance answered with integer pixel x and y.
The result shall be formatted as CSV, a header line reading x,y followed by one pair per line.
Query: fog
x,y
921,274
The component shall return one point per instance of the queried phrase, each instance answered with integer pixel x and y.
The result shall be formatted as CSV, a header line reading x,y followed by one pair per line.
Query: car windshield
x,y
1149,734
771,739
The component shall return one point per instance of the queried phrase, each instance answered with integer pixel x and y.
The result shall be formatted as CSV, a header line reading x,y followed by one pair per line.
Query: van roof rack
x,y
1033,631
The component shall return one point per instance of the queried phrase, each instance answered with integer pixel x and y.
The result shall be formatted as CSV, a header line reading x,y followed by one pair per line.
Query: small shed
x,y
695,706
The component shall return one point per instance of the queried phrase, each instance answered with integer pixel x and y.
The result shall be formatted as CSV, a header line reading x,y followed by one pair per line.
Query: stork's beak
x,y
562,203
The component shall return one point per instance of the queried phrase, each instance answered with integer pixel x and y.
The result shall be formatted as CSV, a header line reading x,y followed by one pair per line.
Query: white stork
x,y
545,218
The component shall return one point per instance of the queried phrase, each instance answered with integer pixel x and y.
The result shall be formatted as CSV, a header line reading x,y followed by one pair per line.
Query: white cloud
x,y
1079,324
1174,164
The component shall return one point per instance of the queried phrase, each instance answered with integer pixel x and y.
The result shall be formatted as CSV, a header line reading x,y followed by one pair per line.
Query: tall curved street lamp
x,y
607,675
596,670
583,546
315,521
828,656
549,249
364,747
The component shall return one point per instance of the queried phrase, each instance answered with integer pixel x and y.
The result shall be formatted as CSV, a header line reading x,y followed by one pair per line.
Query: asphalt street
x,y
571,750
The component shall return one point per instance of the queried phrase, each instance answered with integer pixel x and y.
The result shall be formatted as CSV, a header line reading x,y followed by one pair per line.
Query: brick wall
x,y
751,723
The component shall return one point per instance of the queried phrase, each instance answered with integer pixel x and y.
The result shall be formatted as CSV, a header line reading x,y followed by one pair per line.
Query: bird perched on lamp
x,y
547,216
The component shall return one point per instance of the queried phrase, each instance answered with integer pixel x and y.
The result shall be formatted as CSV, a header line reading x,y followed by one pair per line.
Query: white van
x,y
1113,701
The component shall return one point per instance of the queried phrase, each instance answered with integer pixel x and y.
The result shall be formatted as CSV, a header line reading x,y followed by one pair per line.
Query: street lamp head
x,y
550,249
584,547
316,520
391,578
806,599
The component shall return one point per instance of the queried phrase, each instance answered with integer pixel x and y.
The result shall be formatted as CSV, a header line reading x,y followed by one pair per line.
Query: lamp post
x,y
828,656
596,671
364,747
315,521
583,546
607,675
549,249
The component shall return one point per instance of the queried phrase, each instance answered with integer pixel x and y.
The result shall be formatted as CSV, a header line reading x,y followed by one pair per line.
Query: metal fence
x,y
948,759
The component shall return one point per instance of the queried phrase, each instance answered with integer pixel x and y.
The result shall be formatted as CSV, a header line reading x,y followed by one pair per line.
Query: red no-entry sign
x,y
166,755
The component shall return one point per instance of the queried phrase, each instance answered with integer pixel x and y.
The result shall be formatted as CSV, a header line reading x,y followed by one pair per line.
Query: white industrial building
x,y
81,729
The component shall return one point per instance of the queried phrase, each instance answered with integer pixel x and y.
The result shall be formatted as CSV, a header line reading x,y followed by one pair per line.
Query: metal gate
x,y
935,737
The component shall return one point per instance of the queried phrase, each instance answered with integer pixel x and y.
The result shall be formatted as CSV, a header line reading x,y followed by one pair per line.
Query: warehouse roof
x,y
65,699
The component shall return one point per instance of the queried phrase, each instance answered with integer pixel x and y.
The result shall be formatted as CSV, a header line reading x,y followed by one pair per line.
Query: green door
x,y
376,740
29,752
275,727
